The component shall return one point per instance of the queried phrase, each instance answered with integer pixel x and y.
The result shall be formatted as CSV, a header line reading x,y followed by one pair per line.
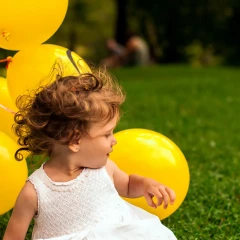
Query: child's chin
x,y
102,164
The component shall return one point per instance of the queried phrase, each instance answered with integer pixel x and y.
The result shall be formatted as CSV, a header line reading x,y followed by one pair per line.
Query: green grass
x,y
199,110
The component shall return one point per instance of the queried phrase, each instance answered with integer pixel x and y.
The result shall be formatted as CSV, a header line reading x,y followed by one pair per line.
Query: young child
x,y
76,193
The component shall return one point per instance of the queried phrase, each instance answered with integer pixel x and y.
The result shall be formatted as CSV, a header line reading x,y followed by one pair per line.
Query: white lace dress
x,y
89,208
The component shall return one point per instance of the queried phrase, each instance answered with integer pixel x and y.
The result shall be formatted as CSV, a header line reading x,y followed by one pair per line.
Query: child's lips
x,y
109,154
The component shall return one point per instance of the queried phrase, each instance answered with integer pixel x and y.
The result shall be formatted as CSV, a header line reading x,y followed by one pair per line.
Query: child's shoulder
x,y
28,194
29,190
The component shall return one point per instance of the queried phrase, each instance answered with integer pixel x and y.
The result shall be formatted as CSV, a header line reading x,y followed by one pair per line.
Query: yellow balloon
x,y
153,155
40,65
7,109
25,23
13,174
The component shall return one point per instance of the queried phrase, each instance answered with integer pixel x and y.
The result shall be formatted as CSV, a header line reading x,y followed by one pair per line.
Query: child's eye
x,y
108,135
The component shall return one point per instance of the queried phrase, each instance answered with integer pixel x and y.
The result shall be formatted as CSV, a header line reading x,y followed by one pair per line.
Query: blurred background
x,y
200,32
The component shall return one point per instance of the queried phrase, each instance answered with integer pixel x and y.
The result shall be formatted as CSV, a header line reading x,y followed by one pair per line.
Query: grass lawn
x,y
199,110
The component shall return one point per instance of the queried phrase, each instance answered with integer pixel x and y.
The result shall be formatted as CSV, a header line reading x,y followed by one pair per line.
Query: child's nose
x,y
114,141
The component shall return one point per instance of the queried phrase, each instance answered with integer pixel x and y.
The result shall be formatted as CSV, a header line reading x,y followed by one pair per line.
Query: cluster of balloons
x,y
24,27
151,154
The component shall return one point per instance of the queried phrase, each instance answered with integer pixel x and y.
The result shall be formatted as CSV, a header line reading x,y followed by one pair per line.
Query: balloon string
x,y
5,35
7,109
69,54
8,60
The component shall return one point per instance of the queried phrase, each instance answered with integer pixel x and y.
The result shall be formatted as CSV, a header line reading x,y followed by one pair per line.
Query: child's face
x,y
95,147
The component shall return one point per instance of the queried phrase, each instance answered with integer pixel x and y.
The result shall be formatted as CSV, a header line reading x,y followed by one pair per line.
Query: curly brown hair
x,y
62,111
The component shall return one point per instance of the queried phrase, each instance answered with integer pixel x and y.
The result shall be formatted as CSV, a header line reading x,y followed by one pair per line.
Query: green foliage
x,y
2,72
173,26
87,25
199,110
198,55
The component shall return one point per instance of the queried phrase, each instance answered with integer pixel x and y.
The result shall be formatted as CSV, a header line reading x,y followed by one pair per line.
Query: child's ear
x,y
74,147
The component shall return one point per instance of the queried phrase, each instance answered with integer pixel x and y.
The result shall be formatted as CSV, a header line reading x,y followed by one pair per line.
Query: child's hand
x,y
162,193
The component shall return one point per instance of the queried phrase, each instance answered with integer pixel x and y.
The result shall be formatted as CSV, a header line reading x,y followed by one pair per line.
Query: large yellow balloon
x,y
33,67
7,108
25,23
151,154
13,174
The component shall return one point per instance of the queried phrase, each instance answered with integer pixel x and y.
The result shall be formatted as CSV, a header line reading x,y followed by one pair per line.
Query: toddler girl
x,y
76,193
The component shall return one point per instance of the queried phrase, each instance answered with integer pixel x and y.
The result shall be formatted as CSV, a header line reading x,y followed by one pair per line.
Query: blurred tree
x,y
231,37
121,21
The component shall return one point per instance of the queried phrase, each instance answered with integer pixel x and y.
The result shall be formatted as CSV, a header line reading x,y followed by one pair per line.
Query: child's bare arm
x,y
24,210
133,186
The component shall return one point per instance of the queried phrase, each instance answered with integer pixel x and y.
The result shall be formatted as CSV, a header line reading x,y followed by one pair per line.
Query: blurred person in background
x,y
116,54
134,53
137,51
